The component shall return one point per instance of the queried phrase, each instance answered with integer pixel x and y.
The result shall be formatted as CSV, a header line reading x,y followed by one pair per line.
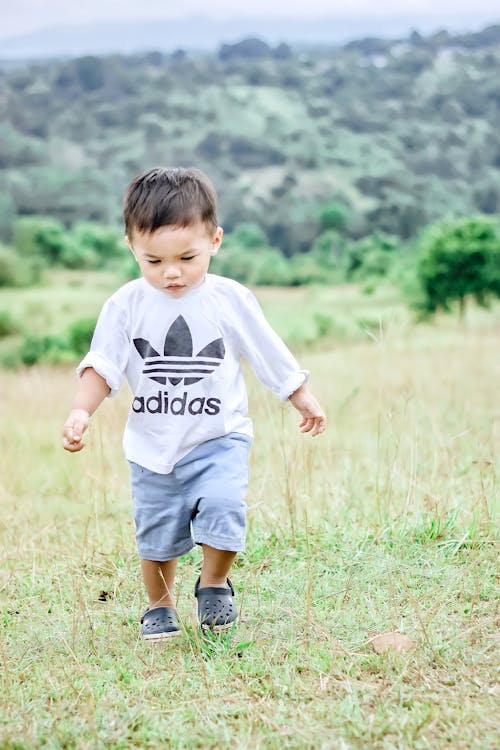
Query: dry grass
x,y
385,523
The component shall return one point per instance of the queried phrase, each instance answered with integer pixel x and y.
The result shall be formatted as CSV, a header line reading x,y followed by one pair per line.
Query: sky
x,y
24,16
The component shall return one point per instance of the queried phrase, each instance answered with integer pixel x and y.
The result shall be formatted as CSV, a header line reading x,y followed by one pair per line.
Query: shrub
x,y
270,268
8,325
235,262
325,324
249,236
18,271
79,335
104,242
304,269
459,260
35,349
371,257
76,256
334,216
41,237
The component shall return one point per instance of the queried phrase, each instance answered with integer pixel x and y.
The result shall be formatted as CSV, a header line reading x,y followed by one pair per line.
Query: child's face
x,y
175,259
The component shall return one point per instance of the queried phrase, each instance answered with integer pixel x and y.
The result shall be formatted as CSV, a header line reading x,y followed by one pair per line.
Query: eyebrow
x,y
158,257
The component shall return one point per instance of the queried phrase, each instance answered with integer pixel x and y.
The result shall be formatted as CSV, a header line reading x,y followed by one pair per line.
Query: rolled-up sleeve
x,y
109,349
269,357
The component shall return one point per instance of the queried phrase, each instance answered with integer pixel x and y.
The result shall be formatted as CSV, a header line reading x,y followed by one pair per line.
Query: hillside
x,y
400,133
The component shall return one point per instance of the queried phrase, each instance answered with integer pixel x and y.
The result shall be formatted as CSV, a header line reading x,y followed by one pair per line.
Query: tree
x,y
333,216
370,257
249,236
459,260
90,72
40,236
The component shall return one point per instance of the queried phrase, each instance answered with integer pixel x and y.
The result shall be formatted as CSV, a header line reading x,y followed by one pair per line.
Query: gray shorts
x,y
202,501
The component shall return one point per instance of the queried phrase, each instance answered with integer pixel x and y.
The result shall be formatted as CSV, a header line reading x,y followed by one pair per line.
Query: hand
x,y
313,416
74,427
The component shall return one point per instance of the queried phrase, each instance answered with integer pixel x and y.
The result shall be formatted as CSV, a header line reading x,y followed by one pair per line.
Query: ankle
x,y
164,601
207,580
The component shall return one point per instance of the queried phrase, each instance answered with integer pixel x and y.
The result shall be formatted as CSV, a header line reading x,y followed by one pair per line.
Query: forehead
x,y
172,239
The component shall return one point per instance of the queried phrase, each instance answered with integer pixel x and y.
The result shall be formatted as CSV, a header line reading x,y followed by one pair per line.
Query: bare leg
x,y
158,579
216,565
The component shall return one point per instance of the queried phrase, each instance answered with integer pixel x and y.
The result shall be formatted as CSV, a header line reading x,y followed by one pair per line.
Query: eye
x,y
190,257
153,262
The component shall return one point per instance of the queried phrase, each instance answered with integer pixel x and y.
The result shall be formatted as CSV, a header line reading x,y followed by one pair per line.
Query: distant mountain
x,y
200,33
394,135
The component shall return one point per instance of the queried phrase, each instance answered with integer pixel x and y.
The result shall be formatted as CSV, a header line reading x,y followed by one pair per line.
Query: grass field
x,y
385,523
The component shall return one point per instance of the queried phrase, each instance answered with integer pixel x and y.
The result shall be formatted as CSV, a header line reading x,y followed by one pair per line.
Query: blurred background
x,y
348,146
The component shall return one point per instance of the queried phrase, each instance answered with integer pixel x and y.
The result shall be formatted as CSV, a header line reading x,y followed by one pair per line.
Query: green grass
x,y
385,523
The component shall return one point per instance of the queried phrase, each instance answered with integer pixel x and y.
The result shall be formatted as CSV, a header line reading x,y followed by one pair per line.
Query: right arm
x,y
101,373
92,390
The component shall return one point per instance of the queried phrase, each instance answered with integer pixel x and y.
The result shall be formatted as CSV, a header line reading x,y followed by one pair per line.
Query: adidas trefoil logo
x,y
178,363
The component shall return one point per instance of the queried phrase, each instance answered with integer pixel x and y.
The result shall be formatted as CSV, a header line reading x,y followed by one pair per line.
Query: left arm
x,y
276,367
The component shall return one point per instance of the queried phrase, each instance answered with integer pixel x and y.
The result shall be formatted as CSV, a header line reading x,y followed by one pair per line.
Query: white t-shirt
x,y
181,358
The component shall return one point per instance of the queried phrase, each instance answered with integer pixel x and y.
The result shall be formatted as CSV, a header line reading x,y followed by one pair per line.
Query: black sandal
x,y
216,608
159,624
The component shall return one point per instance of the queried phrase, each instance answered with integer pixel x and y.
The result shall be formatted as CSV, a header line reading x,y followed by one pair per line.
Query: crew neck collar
x,y
191,294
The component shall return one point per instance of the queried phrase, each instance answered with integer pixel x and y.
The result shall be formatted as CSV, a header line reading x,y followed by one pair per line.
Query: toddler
x,y
177,335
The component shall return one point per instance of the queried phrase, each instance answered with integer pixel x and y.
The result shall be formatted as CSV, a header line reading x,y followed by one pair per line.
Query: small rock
x,y
392,642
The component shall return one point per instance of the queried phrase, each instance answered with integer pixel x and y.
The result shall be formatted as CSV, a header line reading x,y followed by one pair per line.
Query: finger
x,y
69,437
75,431
319,426
72,447
308,425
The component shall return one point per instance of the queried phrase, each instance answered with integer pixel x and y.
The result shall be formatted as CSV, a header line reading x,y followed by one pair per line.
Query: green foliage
x,y
90,72
7,216
17,272
106,242
68,346
371,257
130,268
40,236
269,268
79,335
36,349
328,250
333,216
458,260
304,269
75,256
264,266
8,325
374,136
249,236
44,241
234,261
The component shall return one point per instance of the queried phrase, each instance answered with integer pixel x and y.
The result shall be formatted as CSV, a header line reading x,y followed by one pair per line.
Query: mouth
x,y
173,287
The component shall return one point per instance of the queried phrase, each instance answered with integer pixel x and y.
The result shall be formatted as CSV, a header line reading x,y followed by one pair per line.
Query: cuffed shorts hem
x,y
146,553
223,543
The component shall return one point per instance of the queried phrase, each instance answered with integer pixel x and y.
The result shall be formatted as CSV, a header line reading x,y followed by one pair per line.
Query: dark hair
x,y
169,196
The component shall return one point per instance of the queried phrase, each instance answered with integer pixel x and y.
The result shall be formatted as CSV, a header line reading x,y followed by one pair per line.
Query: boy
x,y
177,335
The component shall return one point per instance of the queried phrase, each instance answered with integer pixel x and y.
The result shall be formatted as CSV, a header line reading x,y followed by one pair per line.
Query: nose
x,y
172,272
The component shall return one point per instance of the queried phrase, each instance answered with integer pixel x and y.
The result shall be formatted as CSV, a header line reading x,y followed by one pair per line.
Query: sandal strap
x,y
217,590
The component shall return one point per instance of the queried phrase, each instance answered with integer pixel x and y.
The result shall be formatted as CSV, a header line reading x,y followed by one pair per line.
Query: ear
x,y
217,240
